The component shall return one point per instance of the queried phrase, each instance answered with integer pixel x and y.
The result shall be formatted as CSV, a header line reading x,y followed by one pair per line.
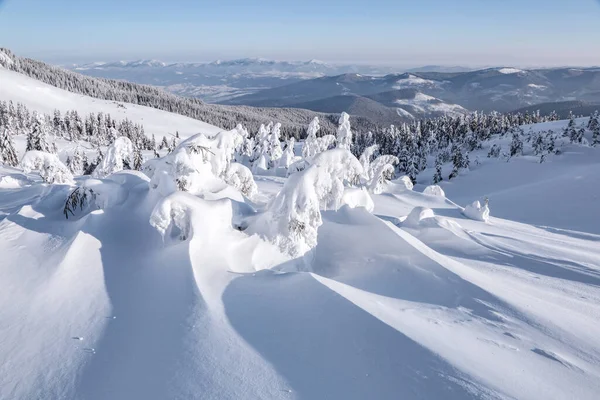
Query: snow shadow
x,y
381,262
328,348
153,297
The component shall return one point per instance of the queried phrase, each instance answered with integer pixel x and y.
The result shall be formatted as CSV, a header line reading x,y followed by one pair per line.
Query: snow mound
x,y
354,197
434,190
417,216
181,215
477,212
402,184
12,182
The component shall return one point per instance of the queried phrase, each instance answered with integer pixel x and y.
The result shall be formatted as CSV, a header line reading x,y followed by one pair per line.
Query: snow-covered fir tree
x,y
8,154
37,138
437,177
344,133
516,145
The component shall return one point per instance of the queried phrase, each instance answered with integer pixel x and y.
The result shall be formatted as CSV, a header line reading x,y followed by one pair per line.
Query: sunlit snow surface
x,y
399,303
414,300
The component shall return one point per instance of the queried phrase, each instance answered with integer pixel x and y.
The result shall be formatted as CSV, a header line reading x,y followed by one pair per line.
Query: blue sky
x,y
404,33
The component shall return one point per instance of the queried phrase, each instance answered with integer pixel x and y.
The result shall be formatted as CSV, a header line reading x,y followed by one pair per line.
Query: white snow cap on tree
x,y
50,168
260,158
275,151
119,156
380,171
200,164
477,212
288,157
241,178
344,133
293,216
434,190
8,154
310,147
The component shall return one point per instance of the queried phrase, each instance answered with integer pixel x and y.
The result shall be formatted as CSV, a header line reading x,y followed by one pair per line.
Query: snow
x,y
534,86
509,71
434,190
354,197
411,81
314,288
477,212
43,98
425,104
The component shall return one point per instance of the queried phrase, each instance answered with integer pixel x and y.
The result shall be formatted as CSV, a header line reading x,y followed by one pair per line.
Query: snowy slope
x,y
396,306
44,98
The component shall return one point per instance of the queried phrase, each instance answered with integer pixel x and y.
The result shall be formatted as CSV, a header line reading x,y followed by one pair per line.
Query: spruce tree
x,y
596,135
437,177
516,145
37,136
138,159
458,161
8,155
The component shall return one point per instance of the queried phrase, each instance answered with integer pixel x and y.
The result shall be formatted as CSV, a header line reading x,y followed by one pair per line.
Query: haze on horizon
x,y
384,32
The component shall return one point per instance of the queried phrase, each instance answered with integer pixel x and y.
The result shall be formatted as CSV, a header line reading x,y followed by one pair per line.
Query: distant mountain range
x,y
220,80
426,94
378,93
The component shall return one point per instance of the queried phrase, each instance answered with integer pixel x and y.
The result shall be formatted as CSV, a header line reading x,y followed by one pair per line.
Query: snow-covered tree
x,y
458,161
75,163
288,157
274,149
495,151
240,177
570,130
293,216
437,177
596,135
381,170
367,155
50,168
138,159
119,156
310,147
516,145
37,137
344,132
8,154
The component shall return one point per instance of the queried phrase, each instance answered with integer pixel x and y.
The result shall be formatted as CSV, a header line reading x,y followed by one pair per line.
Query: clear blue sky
x,y
404,33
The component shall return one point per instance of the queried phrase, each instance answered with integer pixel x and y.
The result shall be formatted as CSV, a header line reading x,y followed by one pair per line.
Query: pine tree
x,y
76,162
164,144
593,121
596,135
494,151
138,159
437,177
458,161
344,132
8,155
516,145
570,130
37,136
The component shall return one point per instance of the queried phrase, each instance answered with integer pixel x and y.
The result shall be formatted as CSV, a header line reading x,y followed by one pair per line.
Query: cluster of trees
x,y
447,138
409,148
42,130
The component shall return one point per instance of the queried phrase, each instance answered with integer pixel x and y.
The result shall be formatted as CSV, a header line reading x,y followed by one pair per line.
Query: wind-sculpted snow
x,y
195,280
